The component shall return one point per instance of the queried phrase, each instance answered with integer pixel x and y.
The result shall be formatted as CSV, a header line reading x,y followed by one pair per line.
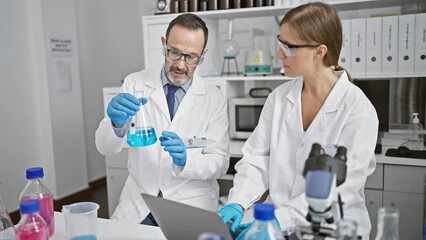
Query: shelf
x,y
340,5
247,78
284,78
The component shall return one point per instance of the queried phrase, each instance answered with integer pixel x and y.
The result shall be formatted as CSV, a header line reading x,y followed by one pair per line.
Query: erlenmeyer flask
x,y
141,133
7,230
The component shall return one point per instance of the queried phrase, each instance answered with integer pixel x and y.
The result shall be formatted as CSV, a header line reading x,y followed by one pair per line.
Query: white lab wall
x,y
110,47
44,127
55,129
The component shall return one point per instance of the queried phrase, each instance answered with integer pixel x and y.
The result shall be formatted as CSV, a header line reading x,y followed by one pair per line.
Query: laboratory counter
x,y
237,145
112,230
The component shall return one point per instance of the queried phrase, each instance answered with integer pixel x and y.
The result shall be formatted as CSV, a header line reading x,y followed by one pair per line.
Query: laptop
x,y
180,221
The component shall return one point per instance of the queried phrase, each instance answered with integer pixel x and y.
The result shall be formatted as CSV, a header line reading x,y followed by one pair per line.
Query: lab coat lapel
x,y
197,88
294,114
158,96
331,106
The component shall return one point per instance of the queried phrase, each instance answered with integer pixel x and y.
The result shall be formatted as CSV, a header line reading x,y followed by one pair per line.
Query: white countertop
x,y
236,145
112,230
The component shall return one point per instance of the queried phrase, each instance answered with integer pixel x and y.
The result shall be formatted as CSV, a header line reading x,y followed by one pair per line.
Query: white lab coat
x,y
202,113
275,154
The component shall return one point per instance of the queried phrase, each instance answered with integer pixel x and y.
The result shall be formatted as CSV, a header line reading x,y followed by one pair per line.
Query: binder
x,y
374,46
345,52
358,46
420,41
390,45
406,44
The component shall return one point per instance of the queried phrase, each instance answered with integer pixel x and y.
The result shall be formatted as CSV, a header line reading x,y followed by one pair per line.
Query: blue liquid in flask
x,y
141,137
85,237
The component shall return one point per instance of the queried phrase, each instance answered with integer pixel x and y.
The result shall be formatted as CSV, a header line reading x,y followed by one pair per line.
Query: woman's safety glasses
x,y
290,49
176,55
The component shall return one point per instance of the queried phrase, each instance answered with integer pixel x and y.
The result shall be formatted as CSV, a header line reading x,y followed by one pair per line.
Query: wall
x,y
42,126
110,47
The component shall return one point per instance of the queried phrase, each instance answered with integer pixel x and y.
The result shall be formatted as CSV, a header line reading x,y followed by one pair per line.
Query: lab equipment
x,y
32,225
346,230
230,49
415,138
265,226
173,144
234,212
121,107
36,189
81,220
7,230
141,133
258,63
323,174
387,224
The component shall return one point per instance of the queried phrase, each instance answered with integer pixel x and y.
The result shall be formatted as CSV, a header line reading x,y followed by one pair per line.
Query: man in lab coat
x,y
181,107
322,106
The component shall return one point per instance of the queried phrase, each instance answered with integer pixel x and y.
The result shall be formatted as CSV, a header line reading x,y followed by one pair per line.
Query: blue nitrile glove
x,y
245,227
123,106
232,211
173,144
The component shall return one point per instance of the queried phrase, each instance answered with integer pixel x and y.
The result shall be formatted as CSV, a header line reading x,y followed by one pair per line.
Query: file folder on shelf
x,y
406,44
420,42
358,46
345,52
390,45
374,46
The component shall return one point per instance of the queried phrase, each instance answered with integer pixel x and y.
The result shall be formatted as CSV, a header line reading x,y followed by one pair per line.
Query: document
x,y
374,46
358,46
420,41
345,52
390,45
406,44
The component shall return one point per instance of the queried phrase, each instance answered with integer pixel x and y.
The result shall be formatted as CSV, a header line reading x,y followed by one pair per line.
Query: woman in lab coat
x,y
322,106
201,113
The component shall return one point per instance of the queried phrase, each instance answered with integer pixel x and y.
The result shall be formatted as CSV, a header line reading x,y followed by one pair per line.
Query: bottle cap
x,y
29,206
416,119
264,211
35,172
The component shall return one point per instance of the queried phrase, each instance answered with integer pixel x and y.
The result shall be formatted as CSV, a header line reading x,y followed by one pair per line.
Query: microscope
x,y
323,174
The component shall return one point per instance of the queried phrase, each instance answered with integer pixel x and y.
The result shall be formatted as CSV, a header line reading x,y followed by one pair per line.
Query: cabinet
x,y
401,187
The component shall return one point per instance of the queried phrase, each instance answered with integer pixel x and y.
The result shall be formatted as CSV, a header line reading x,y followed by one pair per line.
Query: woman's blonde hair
x,y
318,23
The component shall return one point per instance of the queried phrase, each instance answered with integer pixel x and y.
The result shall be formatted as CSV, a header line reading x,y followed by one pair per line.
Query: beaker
x,y
81,220
140,133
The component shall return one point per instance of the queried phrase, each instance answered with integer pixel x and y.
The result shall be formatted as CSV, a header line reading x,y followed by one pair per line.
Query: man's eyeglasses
x,y
290,49
175,55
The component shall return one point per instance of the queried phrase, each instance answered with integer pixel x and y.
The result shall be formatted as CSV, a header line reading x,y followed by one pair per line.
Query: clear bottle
x,y
387,224
264,227
36,189
7,230
415,138
210,236
31,226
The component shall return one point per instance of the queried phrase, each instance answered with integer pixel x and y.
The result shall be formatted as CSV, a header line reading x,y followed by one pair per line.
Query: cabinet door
x,y
373,201
116,177
411,210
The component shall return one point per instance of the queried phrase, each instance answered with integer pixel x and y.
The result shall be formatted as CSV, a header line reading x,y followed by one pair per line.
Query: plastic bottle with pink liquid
x,y
36,189
31,226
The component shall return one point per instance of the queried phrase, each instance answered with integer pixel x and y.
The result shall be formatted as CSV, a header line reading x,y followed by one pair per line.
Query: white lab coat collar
x,y
197,87
332,103
154,81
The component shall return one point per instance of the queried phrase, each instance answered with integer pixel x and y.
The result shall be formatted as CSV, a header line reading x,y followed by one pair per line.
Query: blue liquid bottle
x,y
140,133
